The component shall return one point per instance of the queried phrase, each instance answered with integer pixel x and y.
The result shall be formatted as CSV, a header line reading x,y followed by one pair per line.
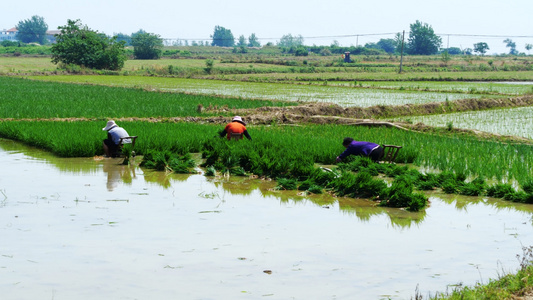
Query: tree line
x,y
79,45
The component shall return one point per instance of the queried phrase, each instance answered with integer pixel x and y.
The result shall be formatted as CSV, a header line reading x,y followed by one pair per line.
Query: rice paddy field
x,y
511,121
344,96
63,114
501,88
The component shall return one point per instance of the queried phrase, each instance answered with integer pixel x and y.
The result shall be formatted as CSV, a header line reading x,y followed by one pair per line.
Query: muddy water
x,y
94,229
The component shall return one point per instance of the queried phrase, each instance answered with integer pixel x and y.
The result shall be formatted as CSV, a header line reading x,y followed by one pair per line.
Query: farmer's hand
x,y
338,159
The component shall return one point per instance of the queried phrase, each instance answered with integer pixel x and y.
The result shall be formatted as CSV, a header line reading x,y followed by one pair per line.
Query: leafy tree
x,y
529,47
146,45
453,50
79,45
253,41
422,39
222,37
445,57
372,46
510,44
242,41
124,37
301,51
291,41
388,45
481,48
398,40
32,30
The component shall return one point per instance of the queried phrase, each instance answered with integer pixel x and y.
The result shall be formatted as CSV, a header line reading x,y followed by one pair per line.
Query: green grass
x,y
22,98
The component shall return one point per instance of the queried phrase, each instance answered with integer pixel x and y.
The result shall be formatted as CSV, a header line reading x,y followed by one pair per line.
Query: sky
x,y
460,23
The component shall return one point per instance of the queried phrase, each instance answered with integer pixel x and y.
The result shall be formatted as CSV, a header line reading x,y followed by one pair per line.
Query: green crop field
x,y
345,96
22,98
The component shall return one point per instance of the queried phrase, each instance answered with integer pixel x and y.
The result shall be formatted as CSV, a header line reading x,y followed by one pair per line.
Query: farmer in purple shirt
x,y
374,151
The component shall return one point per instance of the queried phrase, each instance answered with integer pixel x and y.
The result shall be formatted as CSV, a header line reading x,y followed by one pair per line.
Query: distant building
x,y
8,35
11,35
50,35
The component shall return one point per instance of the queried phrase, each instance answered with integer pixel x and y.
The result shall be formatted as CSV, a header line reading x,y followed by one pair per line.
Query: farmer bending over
x,y
374,151
236,125
114,133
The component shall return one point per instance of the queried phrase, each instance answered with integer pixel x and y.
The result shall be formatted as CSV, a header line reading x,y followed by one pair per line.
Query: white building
x,y
8,34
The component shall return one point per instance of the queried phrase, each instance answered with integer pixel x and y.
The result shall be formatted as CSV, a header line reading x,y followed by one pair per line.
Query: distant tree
x,y
242,41
301,51
481,48
253,41
124,37
291,41
335,44
79,45
510,44
529,47
422,39
32,30
453,51
388,45
146,45
372,46
222,37
325,52
467,51
445,57
398,40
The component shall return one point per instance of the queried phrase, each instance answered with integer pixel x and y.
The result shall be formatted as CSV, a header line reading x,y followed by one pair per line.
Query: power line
x,y
370,34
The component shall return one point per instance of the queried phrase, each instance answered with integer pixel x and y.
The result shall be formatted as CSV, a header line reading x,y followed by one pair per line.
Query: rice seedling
x,y
22,98
505,121
168,161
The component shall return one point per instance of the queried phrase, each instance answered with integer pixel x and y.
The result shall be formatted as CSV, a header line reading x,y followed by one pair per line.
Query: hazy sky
x,y
319,22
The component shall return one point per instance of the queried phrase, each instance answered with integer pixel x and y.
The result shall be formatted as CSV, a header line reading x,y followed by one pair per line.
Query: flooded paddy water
x,y
80,228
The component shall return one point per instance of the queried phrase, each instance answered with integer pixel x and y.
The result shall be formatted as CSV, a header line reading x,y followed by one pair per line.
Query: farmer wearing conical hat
x,y
114,133
236,126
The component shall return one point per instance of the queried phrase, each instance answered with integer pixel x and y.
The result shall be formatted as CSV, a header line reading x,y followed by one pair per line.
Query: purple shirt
x,y
358,148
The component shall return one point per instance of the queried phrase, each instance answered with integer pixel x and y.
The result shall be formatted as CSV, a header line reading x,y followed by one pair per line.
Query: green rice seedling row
x,y
313,143
22,98
345,96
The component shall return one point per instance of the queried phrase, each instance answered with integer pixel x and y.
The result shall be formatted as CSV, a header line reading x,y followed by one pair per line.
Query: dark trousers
x,y
376,154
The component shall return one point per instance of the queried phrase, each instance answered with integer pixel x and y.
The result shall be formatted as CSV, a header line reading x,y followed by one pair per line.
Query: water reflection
x,y
363,209
117,173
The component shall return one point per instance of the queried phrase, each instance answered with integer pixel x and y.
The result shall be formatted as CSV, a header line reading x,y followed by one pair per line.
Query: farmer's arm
x,y
344,154
223,133
247,135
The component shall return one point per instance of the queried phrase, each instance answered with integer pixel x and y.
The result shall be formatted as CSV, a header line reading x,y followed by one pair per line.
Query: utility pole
x,y
401,57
